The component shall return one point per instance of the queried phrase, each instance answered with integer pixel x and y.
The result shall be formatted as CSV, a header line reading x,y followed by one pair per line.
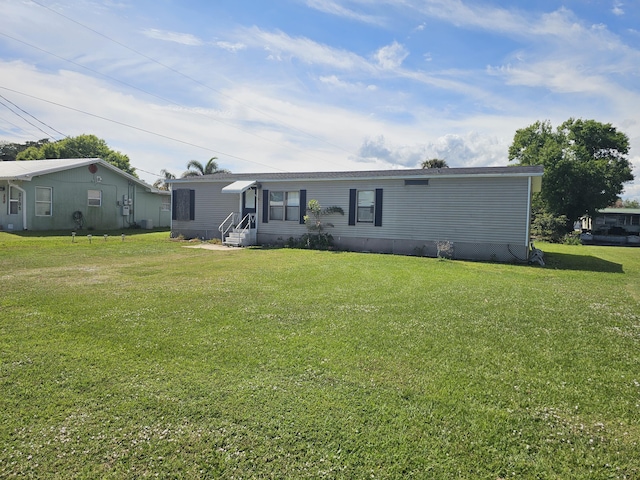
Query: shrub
x,y
316,241
548,227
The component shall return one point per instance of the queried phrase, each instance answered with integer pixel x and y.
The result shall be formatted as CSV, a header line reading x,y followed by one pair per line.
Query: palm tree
x,y
435,163
160,183
196,169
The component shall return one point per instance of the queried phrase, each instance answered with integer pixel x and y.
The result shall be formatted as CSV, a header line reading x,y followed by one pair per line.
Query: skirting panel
x,y
454,250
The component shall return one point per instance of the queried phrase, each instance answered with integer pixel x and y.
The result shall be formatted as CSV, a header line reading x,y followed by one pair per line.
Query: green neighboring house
x,y
77,193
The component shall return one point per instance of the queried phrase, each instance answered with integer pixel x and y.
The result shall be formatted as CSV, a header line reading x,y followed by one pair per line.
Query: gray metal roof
x,y
620,211
528,171
25,170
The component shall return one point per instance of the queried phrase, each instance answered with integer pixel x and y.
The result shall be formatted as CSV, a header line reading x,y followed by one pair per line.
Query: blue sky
x,y
313,85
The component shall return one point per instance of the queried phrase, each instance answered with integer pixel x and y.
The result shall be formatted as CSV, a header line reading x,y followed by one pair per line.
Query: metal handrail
x,y
223,228
249,218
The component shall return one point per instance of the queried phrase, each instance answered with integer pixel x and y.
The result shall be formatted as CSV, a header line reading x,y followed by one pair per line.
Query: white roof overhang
x,y
239,186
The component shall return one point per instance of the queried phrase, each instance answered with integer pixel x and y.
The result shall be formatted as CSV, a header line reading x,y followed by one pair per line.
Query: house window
x,y
366,203
15,200
284,206
276,205
365,206
44,200
184,204
166,204
94,198
292,206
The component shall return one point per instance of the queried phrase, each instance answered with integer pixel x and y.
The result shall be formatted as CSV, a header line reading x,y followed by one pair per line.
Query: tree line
x,y
585,163
90,146
82,146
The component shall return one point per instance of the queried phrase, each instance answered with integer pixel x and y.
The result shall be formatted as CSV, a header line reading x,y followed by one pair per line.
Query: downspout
x,y
528,229
24,204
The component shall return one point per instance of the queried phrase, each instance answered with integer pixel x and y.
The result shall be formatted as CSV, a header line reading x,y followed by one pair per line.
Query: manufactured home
x,y
478,213
612,226
77,193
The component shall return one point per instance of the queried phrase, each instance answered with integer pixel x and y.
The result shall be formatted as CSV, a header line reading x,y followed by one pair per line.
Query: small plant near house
x,y
571,239
314,220
316,238
445,250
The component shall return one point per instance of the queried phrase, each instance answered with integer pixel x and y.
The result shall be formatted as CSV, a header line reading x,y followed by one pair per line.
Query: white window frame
x,y
285,206
363,205
276,205
292,206
40,203
94,200
17,201
166,204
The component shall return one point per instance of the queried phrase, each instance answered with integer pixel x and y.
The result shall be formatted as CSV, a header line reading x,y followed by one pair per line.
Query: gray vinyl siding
x,y
211,208
477,210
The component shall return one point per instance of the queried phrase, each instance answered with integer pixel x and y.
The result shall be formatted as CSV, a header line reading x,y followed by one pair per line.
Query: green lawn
x,y
141,358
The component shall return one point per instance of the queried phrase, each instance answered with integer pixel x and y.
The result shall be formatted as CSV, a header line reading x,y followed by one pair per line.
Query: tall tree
x,y
9,151
195,168
435,163
161,183
585,164
82,146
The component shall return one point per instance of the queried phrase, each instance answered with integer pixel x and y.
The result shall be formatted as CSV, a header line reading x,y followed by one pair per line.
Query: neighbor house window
x,y
166,204
44,199
94,198
15,200
366,203
284,206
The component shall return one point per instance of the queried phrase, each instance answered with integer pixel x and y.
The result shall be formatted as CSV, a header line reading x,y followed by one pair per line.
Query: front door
x,y
249,204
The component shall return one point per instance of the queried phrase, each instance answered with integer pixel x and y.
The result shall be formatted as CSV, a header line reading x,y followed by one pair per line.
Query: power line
x,y
147,92
139,128
36,119
22,117
79,154
177,72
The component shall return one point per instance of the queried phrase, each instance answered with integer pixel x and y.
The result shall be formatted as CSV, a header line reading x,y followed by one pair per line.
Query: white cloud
x,y
176,37
391,56
282,47
230,47
467,150
334,81
333,8
617,8
314,110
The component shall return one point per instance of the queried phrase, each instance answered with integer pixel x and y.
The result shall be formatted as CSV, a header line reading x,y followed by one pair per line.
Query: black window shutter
x,y
352,206
265,206
174,203
192,204
378,208
303,205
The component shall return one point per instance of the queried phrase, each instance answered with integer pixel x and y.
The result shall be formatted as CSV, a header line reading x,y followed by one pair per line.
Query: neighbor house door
x,y
16,204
